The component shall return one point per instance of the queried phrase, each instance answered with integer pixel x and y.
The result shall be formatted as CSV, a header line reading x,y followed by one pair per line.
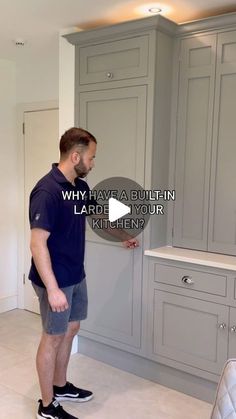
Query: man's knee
x,y
53,341
73,329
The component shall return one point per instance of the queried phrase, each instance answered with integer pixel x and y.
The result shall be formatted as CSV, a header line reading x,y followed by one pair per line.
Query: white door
x,y
41,149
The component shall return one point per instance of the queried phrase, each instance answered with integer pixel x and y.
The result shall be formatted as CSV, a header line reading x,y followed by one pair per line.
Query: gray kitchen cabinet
x,y
120,151
190,331
115,284
116,60
192,317
205,207
194,135
123,96
172,315
222,216
232,333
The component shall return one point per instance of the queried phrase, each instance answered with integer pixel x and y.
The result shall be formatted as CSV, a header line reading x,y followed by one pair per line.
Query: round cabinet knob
x,y
222,326
233,329
110,75
187,280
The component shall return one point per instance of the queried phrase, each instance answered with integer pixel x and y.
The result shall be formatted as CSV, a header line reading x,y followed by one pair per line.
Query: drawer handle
x,y
187,280
222,326
110,75
233,329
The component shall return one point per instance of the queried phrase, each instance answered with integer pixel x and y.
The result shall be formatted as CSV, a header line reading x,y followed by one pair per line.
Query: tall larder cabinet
x,y
123,96
205,173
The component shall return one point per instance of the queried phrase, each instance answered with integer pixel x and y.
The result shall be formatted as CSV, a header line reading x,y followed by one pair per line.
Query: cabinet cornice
x,y
124,29
224,22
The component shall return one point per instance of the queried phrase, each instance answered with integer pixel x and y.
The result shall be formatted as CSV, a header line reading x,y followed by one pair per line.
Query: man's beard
x,y
81,169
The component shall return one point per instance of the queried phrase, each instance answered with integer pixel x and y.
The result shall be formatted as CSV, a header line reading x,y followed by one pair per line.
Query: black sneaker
x,y
70,392
53,411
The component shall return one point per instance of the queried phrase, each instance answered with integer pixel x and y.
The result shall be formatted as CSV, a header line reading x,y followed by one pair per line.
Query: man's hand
x,y
131,243
57,300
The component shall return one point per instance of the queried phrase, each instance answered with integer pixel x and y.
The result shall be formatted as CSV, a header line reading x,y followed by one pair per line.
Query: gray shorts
x,y
57,323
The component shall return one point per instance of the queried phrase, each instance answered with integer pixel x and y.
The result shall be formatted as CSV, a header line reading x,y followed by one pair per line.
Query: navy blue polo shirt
x,y
50,211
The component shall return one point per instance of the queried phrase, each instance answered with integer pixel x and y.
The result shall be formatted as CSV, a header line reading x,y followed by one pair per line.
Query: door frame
x,y
20,111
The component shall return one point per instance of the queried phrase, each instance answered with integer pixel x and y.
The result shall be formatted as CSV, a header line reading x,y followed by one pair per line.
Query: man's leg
x,y
64,390
63,354
46,363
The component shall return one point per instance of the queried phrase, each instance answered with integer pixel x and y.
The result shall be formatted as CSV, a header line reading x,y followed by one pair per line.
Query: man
x,y
57,269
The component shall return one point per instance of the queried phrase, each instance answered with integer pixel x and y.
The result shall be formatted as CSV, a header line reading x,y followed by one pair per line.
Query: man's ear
x,y
75,157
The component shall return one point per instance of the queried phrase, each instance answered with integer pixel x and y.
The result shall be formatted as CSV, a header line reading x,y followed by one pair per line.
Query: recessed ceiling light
x,y
154,10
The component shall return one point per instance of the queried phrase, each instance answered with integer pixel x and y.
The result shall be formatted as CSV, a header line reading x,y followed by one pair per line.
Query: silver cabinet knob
x,y
233,329
187,280
222,326
110,75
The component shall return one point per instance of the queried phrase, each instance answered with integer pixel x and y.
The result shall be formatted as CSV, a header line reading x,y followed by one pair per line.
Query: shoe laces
x,y
59,409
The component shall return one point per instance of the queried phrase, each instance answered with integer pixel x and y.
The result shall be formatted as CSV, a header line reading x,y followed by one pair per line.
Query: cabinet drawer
x,y
115,60
191,279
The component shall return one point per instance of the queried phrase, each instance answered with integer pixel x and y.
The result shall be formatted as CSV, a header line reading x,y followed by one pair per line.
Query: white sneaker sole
x,y
71,399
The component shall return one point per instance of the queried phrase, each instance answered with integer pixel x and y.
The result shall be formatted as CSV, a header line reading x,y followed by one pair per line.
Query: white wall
x,y
37,74
66,82
8,182
32,77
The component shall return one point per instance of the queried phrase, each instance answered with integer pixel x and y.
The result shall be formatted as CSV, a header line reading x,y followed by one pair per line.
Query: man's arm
x,y
42,260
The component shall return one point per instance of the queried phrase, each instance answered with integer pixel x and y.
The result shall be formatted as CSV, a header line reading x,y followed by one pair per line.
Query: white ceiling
x,y
39,21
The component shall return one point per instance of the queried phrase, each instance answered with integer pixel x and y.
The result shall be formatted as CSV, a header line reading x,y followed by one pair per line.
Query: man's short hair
x,y
75,137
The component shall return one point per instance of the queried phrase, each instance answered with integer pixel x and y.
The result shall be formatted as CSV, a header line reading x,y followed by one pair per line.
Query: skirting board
x,y
169,377
8,303
74,349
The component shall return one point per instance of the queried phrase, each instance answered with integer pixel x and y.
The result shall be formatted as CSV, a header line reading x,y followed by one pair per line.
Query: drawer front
x,y
194,280
115,60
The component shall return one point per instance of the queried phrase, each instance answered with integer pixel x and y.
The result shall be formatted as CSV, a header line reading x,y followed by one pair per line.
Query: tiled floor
x,y
118,395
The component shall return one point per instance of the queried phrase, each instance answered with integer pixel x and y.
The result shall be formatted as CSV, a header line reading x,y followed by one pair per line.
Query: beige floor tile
x,y
130,396
15,406
181,406
114,411
22,378
21,318
9,358
118,394
23,339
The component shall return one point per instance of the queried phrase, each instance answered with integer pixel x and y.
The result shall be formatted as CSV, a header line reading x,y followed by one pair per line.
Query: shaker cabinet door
x,y
190,331
117,118
194,134
232,333
222,226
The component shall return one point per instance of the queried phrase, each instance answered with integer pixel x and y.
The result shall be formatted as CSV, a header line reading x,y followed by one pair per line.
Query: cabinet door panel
x,y
195,111
232,333
222,225
187,330
117,119
116,60
114,290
